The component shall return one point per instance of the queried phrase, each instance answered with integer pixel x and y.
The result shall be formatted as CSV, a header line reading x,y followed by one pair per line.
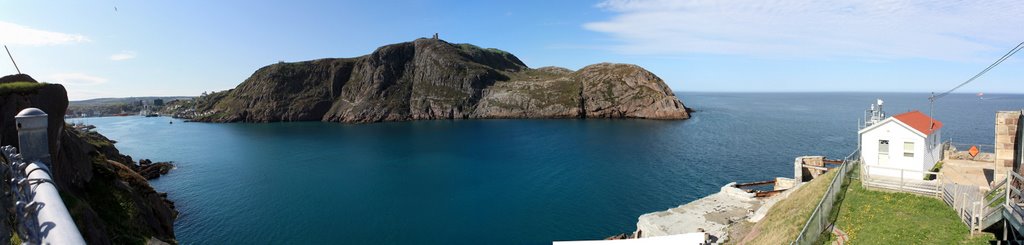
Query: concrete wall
x,y
926,150
932,150
1006,131
782,183
807,174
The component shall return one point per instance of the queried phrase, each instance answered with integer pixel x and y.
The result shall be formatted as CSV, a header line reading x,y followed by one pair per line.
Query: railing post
x,y
33,143
45,204
901,179
1009,184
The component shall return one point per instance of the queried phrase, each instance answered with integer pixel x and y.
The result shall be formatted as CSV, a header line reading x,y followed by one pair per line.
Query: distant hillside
x,y
112,106
434,79
126,100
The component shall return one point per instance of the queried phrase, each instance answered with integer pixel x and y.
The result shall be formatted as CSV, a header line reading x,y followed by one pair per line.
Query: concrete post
x,y
58,227
33,142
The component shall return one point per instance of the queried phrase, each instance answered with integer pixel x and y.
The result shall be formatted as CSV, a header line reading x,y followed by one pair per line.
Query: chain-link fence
x,y
31,198
821,220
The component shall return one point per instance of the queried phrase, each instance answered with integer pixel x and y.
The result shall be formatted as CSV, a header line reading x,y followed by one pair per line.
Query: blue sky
x,y
188,47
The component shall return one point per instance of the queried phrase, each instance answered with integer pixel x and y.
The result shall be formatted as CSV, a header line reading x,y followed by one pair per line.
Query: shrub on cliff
x,y
19,87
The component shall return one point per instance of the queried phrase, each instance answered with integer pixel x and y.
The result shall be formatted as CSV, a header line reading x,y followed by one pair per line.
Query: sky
x,y
118,48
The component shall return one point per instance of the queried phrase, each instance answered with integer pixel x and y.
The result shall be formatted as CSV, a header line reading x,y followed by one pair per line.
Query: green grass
x,y
936,168
19,87
1001,192
783,222
876,217
465,47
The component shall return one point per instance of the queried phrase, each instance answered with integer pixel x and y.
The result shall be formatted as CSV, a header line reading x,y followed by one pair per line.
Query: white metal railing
x,y
39,214
39,210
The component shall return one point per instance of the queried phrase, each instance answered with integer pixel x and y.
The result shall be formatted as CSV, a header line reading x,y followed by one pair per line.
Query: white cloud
x,y
76,79
954,30
123,55
14,34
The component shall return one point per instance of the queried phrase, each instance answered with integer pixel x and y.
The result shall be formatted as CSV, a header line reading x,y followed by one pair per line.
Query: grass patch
x,y
113,204
936,168
993,193
20,87
465,47
783,222
876,217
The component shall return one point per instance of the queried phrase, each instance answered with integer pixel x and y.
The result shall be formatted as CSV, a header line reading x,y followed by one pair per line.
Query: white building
x,y
910,141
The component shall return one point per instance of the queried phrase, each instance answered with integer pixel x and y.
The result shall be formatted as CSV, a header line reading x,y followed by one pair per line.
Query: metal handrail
x,y
39,210
994,199
999,184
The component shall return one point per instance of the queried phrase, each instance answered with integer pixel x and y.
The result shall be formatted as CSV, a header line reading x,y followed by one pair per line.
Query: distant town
x,y
131,106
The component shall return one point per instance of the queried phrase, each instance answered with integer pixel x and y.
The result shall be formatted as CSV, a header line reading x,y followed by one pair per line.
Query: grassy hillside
x,y
783,222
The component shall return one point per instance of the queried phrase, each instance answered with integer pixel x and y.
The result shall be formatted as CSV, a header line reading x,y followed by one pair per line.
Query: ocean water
x,y
497,181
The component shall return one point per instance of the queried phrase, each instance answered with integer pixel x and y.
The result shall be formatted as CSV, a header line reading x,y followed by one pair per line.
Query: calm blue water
x,y
496,181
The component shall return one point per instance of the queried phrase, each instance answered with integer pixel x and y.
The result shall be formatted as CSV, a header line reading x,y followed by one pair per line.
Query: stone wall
x,y
1006,134
806,174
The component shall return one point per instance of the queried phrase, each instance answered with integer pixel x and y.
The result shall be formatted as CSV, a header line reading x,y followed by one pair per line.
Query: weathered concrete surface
x,y
785,183
688,238
1006,134
713,213
768,203
968,172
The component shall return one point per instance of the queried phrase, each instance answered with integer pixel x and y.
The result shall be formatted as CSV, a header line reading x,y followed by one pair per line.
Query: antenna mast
x,y
12,59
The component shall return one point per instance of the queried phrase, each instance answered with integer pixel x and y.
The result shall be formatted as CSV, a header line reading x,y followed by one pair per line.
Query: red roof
x,y
919,121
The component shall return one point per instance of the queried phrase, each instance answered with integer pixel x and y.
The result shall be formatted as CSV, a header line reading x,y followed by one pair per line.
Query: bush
x,y
936,168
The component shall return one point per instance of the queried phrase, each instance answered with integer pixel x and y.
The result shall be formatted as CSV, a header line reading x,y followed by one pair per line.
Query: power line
x,y
993,65
931,99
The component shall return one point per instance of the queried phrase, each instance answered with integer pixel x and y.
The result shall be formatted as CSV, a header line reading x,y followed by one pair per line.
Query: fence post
x,y
1009,184
901,179
45,204
33,143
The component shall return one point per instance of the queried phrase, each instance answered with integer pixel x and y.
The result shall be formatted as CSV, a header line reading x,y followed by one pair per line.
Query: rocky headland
x,y
434,79
110,201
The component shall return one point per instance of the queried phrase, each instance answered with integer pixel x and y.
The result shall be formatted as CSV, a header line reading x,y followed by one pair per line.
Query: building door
x,y
883,152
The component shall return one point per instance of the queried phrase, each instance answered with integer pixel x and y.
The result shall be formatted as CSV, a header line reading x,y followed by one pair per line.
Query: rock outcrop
x,y
434,79
110,202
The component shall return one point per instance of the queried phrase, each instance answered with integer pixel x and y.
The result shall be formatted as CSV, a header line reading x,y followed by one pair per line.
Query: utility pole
x,y
12,59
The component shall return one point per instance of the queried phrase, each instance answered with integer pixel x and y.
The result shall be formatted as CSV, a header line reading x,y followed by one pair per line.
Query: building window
x,y
908,149
883,147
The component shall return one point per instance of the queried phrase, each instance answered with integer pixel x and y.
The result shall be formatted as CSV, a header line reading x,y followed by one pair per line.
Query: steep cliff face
x,y
21,91
434,79
110,203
